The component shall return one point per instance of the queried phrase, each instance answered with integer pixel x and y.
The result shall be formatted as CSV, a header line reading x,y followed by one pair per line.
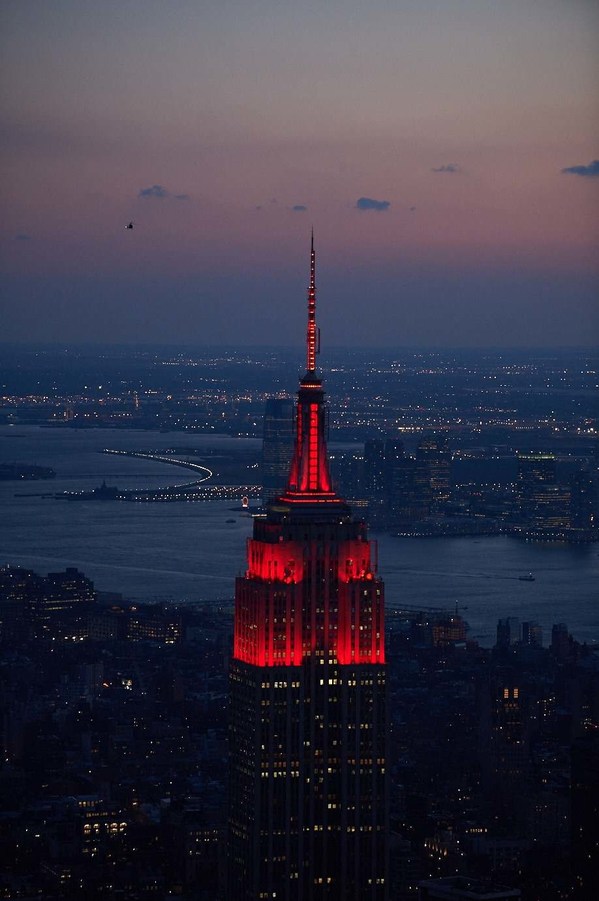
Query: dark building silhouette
x,y
34,605
506,726
374,480
407,503
308,805
583,501
561,641
374,467
508,632
433,457
277,445
585,814
543,503
532,634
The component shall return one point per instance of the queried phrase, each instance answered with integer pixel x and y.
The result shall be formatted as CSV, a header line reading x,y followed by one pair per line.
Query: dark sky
x,y
444,150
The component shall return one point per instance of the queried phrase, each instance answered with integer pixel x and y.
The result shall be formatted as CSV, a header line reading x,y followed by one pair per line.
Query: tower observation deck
x,y
308,796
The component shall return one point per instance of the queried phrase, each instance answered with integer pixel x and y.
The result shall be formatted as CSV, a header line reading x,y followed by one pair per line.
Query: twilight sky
x,y
425,140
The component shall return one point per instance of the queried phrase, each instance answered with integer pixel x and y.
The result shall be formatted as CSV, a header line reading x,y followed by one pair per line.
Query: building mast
x,y
312,330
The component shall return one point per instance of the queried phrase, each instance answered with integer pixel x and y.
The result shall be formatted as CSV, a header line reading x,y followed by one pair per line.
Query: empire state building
x,y
308,788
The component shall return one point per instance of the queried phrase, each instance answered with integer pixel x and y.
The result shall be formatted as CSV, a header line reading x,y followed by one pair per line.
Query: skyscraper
x,y
542,501
277,445
308,796
434,456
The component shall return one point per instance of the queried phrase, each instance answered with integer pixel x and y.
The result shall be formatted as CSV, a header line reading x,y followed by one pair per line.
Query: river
x,y
190,552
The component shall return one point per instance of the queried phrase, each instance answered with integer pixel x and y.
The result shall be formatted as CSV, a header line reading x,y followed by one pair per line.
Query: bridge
x,y
191,491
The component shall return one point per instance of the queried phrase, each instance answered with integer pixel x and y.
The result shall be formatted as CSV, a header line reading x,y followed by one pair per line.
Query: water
x,y
188,551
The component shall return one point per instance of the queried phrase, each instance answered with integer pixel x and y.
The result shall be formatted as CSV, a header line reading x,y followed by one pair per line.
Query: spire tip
x,y
312,331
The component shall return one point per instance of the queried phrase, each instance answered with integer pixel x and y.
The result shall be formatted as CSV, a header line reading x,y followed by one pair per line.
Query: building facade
x,y
277,445
308,783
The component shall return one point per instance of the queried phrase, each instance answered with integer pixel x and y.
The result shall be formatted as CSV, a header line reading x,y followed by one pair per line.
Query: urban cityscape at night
x,y
443,766
299,451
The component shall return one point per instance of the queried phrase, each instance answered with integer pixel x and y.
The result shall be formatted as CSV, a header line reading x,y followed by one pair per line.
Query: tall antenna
x,y
312,331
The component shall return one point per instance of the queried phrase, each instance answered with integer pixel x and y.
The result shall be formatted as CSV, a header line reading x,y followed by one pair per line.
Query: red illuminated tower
x,y
308,719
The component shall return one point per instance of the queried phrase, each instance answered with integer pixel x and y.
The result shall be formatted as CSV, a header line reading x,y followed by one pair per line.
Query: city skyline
x,y
365,760
445,154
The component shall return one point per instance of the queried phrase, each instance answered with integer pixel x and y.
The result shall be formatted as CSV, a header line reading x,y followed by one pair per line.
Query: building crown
x,y
309,476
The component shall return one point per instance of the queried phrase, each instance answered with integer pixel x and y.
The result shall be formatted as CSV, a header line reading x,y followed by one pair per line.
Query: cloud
x,y
154,191
590,171
299,208
160,192
447,167
22,237
368,203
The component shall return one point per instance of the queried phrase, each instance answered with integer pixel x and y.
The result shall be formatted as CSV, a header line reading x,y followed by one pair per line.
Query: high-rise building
x,y
308,797
585,813
583,501
561,641
508,632
277,445
532,634
434,457
506,724
374,467
406,505
40,604
374,482
542,501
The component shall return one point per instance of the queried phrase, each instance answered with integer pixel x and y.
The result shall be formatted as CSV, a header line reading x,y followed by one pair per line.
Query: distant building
x,y
374,482
532,634
19,589
434,458
35,604
542,502
583,501
62,593
156,623
277,445
561,641
449,630
585,813
508,632
408,502
506,724
374,467
535,468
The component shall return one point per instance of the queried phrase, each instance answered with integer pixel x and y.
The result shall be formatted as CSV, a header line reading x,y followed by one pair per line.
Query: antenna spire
x,y
312,331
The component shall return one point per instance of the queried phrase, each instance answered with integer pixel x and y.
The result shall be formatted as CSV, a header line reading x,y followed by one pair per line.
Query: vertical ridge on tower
x,y
311,338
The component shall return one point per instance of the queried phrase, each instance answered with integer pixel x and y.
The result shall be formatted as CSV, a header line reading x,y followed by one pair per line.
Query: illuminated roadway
x,y
192,491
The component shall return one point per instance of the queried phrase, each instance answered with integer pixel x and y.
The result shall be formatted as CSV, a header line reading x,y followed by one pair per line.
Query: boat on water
x,y
526,578
230,520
